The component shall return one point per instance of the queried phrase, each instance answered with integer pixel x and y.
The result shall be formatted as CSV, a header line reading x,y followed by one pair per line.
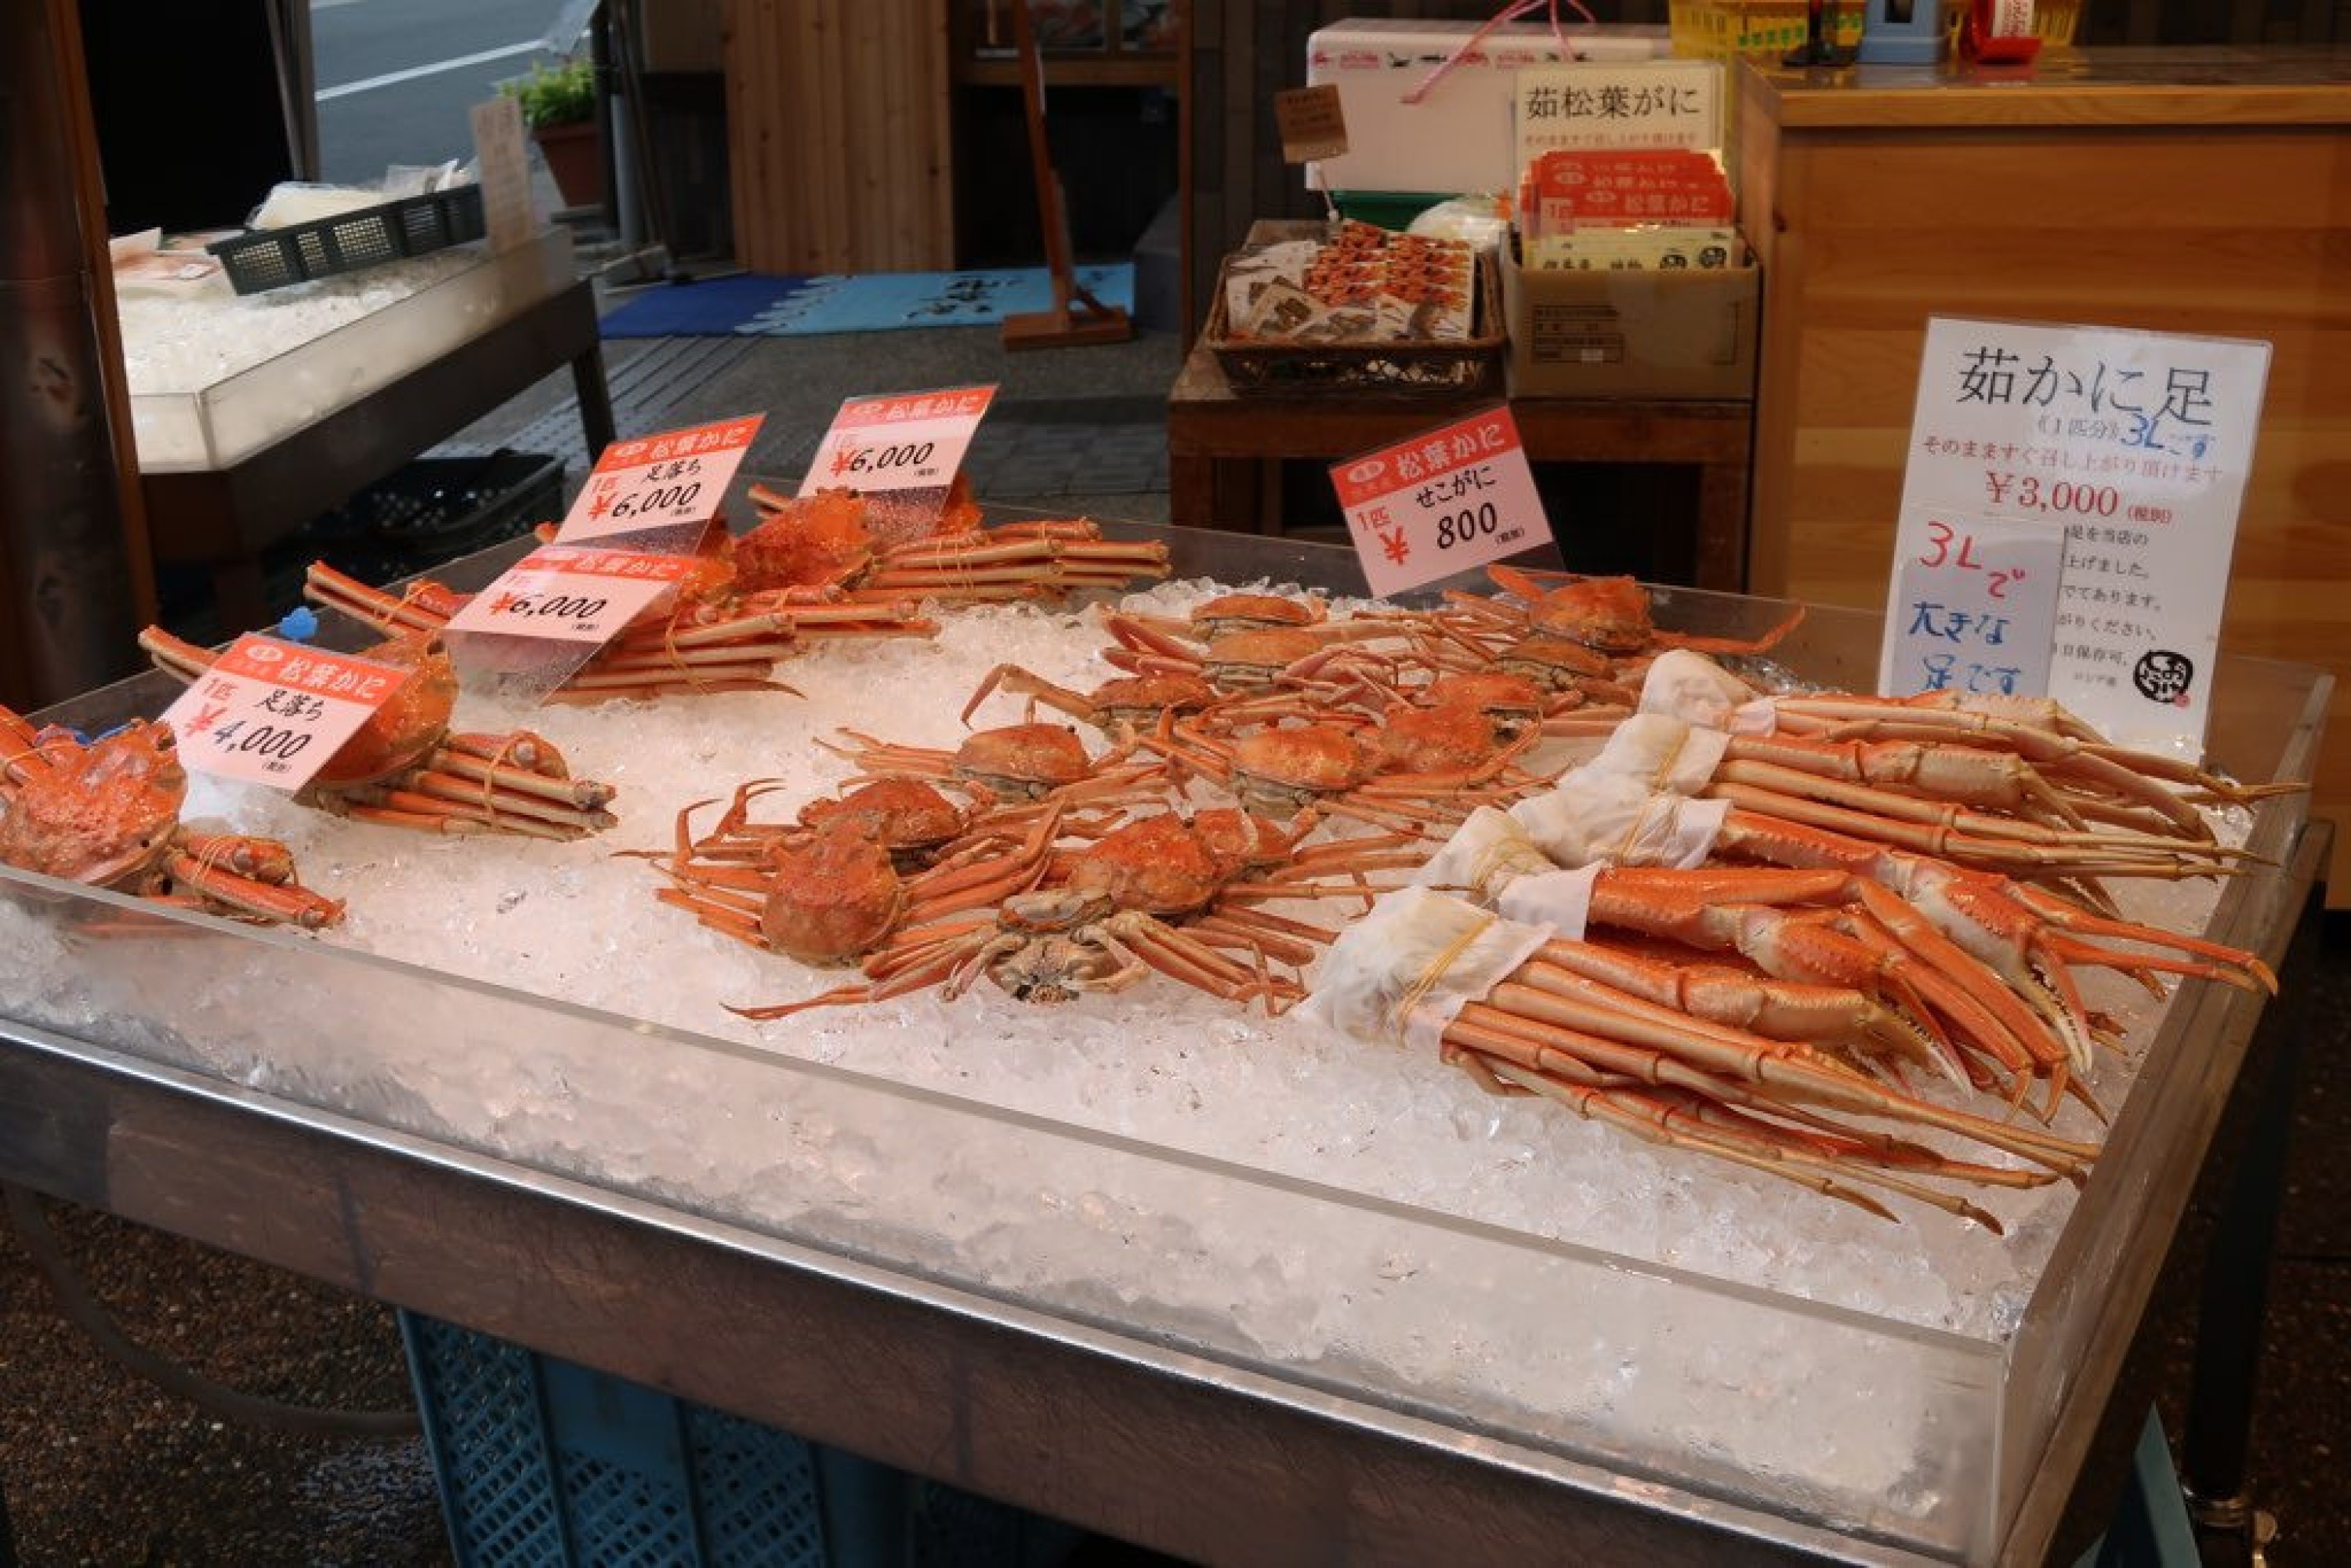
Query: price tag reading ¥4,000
x,y
571,595
672,481
273,713
914,441
1445,501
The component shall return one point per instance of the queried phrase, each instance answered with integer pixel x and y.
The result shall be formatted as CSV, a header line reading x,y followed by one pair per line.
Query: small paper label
x,y
505,173
1311,121
669,482
571,595
1455,497
1973,609
273,713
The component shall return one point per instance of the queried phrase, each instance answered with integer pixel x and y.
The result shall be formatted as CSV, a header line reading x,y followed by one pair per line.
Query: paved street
x,y
395,78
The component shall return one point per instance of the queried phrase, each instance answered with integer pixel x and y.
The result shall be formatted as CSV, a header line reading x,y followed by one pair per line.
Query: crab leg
x,y
1553,1066
206,865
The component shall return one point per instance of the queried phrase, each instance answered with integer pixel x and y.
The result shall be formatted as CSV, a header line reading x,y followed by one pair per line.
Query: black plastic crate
x,y
433,509
410,225
428,512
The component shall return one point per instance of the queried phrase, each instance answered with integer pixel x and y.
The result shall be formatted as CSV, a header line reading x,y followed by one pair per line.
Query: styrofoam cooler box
x,y
1459,136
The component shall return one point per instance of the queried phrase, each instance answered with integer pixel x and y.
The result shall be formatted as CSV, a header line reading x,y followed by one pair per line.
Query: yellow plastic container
x,y
1721,29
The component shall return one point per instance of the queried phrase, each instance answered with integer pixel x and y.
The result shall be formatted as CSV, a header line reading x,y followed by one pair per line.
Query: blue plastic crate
x,y
545,1464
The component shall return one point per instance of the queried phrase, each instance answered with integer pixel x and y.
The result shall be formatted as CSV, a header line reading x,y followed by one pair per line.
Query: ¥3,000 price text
x,y
2026,493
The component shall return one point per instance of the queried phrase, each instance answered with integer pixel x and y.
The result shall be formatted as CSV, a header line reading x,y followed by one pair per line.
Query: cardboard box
x,y
1674,332
1460,137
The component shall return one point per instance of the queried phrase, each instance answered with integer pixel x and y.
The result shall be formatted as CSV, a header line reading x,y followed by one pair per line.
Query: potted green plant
x,y
559,105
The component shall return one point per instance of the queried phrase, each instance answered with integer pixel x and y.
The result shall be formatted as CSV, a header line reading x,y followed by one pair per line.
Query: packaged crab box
x,y
1632,332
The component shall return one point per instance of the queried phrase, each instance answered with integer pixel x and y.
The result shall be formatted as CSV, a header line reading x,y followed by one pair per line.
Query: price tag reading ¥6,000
x,y
672,481
571,595
914,441
1447,500
273,713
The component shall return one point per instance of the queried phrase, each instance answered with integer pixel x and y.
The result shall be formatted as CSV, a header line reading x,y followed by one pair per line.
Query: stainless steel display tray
x,y
299,1038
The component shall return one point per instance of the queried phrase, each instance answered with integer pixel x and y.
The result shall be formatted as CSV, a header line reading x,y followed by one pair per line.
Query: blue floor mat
x,y
756,305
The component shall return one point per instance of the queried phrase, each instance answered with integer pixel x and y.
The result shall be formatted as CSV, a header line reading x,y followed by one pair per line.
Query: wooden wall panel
x,y
1865,230
837,115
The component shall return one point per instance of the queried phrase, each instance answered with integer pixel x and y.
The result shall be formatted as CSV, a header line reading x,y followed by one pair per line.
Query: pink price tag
x,y
570,594
273,713
1454,498
914,441
660,482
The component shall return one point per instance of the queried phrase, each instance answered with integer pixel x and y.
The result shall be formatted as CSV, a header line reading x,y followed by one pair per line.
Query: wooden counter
x,y
2203,191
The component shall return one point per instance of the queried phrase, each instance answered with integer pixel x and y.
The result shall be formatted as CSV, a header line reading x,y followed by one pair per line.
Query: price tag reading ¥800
x,y
1449,499
666,481
273,713
912,442
569,594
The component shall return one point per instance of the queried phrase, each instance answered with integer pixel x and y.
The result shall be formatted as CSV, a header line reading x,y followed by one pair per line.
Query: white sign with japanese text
x,y
571,595
2129,451
1449,499
914,441
1974,607
505,173
674,480
273,713
1605,104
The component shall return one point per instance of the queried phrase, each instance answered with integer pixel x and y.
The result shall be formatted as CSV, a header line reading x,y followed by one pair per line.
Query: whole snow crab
x,y
832,541
708,638
836,888
1163,893
405,767
105,813
1609,615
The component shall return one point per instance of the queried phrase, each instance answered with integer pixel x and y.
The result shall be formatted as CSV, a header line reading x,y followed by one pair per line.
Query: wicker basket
x,y
1471,364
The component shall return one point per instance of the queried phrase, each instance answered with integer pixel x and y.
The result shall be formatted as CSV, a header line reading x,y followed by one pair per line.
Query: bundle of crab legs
x,y
107,812
823,567
1833,939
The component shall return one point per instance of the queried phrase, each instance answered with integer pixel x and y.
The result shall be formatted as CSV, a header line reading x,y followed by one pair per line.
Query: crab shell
x,y
1025,761
101,814
399,734
1230,612
1609,613
904,816
1254,658
1295,765
1449,739
831,896
813,541
1161,865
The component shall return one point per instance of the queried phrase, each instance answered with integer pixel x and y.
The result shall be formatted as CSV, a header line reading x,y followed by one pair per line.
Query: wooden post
x,y
1076,316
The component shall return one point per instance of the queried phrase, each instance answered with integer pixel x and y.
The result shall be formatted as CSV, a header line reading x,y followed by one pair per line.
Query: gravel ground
x,y
100,1467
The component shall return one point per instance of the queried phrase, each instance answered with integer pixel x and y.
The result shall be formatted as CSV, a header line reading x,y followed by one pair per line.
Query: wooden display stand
x,y
1076,316
2204,191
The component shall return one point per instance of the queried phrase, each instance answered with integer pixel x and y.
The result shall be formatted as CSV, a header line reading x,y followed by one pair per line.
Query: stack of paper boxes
x,y
1628,279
